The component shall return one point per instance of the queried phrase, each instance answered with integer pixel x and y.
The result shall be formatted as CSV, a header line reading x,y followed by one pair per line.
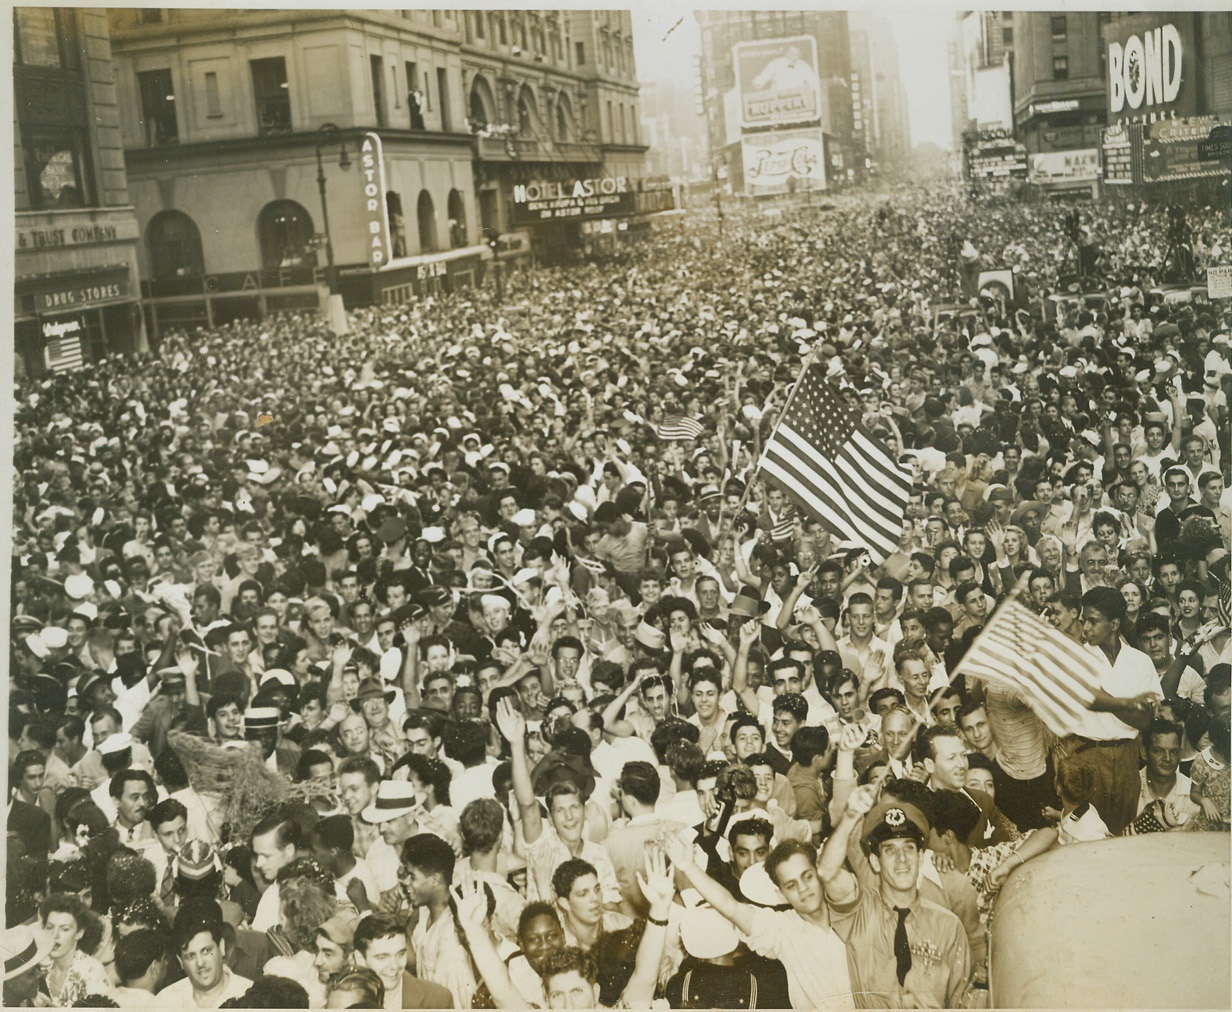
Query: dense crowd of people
x,y
468,661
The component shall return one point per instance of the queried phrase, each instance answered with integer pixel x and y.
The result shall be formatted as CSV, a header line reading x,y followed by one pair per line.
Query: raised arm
x,y
471,904
612,724
839,882
749,633
513,726
783,620
656,885
680,850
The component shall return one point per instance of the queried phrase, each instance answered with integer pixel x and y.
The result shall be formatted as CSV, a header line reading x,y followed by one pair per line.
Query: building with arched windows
x,y
443,119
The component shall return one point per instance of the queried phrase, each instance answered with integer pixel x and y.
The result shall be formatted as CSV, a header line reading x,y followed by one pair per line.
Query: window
x,y
1060,28
174,245
52,117
397,224
611,123
272,95
285,231
500,28
377,69
479,18
442,97
581,54
1060,68
37,37
457,220
1007,36
213,101
157,107
426,213
414,97
56,163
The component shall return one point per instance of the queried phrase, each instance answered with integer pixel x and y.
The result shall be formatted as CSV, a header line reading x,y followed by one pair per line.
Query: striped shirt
x,y
1021,737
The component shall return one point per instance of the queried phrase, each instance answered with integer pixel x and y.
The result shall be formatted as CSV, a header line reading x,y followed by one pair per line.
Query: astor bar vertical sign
x,y
376,211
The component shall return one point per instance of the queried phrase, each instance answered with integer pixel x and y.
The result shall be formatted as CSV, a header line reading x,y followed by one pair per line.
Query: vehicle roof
x,y
1134,922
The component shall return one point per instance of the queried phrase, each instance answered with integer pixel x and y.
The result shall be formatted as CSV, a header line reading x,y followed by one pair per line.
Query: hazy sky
x,y
667,40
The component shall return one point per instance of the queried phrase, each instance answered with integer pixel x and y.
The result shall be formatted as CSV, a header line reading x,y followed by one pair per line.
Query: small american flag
x,y
784,528
835,470
677,427
64,353
1019,650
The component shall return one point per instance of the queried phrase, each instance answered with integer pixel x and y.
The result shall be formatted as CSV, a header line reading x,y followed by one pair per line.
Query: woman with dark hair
x,y
73,931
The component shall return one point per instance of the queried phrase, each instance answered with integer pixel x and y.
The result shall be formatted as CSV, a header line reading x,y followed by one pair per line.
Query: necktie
x,y
167,889
902,948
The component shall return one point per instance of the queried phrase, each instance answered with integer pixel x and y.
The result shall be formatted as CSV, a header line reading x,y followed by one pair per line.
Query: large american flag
x,y
1019,650
64,353
836,471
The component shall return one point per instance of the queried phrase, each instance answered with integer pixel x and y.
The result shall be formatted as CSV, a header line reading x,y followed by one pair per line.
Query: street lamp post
x,y
720,180
327,135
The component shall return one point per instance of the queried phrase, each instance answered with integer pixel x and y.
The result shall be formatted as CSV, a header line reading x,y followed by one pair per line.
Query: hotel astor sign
x,y
577,199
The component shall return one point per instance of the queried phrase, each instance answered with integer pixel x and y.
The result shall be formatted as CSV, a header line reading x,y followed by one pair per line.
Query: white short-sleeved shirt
x,y
180,994
814,957
1133,674
549,852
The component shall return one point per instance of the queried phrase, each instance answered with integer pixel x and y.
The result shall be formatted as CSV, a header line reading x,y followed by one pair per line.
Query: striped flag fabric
x,y
784,528
64,353
1019,650
836,470
677,427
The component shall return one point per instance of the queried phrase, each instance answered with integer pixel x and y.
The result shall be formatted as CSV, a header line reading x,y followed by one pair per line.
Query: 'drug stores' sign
x,y
579,199
376,210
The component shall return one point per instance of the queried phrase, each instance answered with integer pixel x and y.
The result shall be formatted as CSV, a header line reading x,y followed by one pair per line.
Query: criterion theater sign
x,y
376,211
578,199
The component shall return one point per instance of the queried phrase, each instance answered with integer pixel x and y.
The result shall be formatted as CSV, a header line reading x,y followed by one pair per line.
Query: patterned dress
x,y
1213,779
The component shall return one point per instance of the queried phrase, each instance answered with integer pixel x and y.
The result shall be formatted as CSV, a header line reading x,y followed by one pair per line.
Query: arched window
x,y
528,112
426,212
482,104
174,245
564,118
397,226
286,232
457,220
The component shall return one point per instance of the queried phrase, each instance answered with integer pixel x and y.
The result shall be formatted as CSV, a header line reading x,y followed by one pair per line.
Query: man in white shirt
x,y
275,841
1106,740
1161,780
200,947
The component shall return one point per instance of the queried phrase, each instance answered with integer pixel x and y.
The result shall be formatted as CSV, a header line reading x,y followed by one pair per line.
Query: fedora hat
x,y
748,603
370,688
394,798
24,948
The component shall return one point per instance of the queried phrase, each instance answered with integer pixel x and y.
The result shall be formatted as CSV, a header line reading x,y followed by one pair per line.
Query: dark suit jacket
x,y
418,993
33,826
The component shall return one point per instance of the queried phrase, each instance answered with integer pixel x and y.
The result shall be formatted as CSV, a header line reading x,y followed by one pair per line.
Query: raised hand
x,y
678,848
472,905
656,884
510,722
851,737
862,800
749,633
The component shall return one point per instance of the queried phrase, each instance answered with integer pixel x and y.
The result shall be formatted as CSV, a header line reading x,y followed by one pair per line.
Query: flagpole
x,y
791,396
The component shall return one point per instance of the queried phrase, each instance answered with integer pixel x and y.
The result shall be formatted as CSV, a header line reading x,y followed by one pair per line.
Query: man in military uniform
x,y
904,950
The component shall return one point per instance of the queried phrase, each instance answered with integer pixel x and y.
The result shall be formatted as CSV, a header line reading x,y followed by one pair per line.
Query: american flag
x,y
64,353
784,528
835,470
679,427
1019,650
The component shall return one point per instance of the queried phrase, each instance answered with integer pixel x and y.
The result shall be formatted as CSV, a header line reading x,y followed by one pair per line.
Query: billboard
x,y
575,199
784,161
1118,144
1152,66
1080,165
777,82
